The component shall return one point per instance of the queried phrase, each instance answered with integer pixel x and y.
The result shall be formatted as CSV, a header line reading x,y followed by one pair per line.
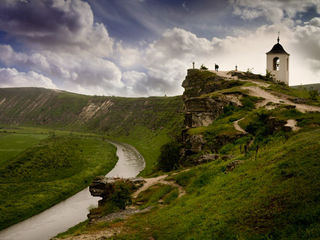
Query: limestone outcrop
x,y
203,105
104,187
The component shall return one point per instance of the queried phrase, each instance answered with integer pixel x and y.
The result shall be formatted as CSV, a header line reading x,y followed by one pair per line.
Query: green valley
x,y
241,151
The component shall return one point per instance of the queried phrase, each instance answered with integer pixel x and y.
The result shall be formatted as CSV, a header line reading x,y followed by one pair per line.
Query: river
x,y
73,210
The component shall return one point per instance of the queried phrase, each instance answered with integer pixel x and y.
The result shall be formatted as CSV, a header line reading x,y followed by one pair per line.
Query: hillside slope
x,y
249,167
142,122
55,108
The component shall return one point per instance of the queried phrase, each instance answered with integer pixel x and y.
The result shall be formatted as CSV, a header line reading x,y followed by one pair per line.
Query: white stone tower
x,y
278,63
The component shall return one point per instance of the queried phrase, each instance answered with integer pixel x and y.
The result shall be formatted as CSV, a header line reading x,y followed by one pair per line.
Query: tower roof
x,y
277,48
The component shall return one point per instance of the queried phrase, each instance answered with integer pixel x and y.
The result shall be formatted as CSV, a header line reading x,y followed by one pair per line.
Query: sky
x,y
144,47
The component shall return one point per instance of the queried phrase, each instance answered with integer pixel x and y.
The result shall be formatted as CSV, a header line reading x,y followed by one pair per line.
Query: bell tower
x,y
278,62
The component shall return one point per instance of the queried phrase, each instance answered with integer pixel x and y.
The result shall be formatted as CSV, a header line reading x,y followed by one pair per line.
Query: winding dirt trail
x,y
237,126
268,97
158,180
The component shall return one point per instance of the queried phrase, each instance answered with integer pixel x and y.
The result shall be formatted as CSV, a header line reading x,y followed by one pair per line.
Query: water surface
x,y
73,210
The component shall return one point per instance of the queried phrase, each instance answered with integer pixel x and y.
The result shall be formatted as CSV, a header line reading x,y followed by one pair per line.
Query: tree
x,y
169,157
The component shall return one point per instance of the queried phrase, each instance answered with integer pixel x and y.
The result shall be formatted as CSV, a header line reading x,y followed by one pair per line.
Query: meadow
x,y
40,168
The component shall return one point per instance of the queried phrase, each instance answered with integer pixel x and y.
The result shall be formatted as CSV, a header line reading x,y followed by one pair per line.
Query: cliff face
x,y
203,105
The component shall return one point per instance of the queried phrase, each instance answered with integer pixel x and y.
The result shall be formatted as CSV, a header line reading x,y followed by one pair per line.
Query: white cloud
x,y
59,25
273,10
10,77
68,69
127,57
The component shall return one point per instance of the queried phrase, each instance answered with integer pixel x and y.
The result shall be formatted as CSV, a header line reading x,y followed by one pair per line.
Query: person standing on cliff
x,y
216,67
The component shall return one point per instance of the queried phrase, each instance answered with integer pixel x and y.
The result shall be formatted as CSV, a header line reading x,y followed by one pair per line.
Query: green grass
x,y
298,92
275,196
11,144
50,172
152,195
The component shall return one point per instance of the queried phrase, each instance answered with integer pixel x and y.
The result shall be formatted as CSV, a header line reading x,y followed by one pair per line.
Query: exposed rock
x,y
203,111
299,100
104,186
226,157
207,158
232,165
203,107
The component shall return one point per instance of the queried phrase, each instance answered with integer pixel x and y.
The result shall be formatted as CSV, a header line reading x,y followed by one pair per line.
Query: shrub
x,y
269,76
169,156
121,196
313,94
203,67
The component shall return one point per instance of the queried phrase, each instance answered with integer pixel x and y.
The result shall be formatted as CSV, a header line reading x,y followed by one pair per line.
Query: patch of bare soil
x,y
268,97
158,180
92,109
237,126
293,124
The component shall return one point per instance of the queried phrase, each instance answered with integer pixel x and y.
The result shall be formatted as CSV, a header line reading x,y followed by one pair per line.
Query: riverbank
x,y
50,172
75,209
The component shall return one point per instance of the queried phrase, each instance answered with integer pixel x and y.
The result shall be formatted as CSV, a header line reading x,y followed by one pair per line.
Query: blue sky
x,y
143,47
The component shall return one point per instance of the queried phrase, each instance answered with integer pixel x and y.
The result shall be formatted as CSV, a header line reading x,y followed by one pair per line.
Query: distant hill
x,y
315,86
111,115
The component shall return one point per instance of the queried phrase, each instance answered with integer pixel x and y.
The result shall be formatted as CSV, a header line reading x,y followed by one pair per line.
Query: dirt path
x,y
228,76
158,180
268,97
99,234
293,124
237,126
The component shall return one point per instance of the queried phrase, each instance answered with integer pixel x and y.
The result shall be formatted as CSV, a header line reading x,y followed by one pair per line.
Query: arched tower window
x,y
276,64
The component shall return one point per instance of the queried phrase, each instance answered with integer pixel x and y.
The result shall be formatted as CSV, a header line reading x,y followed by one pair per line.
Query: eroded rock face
x,y
104,186
202,106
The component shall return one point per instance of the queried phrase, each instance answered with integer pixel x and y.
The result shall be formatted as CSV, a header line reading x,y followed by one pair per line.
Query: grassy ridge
x,y
12,144
45,174
145,123
275,196
68,111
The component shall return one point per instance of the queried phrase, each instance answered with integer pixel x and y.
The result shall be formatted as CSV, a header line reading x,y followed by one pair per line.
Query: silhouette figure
x,y
216,67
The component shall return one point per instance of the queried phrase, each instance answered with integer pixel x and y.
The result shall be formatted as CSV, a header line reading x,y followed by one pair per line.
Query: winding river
x,y
73,210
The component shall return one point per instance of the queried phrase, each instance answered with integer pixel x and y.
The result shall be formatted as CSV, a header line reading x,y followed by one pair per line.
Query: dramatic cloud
x,y
10,77
66,44
273,10
68,69
61,25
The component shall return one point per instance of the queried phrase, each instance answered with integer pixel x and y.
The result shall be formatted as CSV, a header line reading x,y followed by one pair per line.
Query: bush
x,y
203,67
121,196
313,94
169,156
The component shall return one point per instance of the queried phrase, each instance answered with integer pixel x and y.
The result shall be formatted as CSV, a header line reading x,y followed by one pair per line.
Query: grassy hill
x,y
141,122
315,86
53,141
259,140
261,182
43,170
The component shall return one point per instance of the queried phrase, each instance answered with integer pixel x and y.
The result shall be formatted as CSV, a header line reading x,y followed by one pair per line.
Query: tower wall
x,y
282,74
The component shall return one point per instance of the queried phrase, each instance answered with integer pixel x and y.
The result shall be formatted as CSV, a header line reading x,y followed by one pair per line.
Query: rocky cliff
x,y
206,97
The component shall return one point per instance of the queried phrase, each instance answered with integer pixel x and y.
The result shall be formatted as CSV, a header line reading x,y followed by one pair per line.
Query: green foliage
x,y
12,143
269,76
152,195
313,94
121,195
169,157
275,196
249,102
203,67
50,172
